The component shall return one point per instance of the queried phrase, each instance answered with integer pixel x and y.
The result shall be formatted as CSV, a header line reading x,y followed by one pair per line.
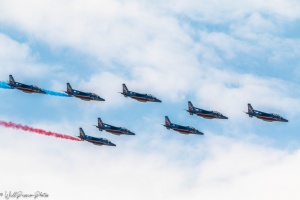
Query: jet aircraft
x,y
204,113
94,140
86,96
24,87
113,129
138,96
181,129
269,117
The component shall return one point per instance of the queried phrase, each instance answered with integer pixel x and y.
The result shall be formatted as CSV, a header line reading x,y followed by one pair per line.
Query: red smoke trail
x,y
36,130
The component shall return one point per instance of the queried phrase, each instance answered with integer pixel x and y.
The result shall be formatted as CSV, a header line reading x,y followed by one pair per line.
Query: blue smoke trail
x,y
4,85
58,94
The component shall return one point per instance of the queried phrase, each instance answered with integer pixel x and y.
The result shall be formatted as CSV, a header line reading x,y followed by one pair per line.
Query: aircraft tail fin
x,y
69,88
81,132
250,110
100,123
190,106
167,121
11,80
125,89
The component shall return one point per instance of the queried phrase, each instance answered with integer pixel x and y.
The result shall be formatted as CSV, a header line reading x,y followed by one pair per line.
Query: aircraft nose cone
x,y
224,117
285,120
113,145
157,100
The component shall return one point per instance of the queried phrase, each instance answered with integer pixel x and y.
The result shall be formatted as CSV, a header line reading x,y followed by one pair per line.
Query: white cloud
x,y
16,57
217,168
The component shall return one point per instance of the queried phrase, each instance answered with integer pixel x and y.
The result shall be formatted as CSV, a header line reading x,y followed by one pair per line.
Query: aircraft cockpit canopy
x,y
277,115
192,128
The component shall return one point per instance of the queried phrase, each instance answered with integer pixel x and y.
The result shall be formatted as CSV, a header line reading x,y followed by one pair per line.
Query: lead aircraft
x,y
269,117
94,140
138,96
86,96
181,129
113,129
23,87
204,113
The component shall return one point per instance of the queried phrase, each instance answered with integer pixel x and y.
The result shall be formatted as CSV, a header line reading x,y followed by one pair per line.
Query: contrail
x,y
36,130
58,94
4,85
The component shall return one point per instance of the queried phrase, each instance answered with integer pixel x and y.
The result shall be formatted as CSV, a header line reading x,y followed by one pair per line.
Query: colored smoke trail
x,y
58,94
36,130
4,85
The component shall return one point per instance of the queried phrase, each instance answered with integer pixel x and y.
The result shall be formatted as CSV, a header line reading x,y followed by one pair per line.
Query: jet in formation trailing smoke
x,y
138,96
23,87
94,140
113,129
269,117
204,113
181,129
86,96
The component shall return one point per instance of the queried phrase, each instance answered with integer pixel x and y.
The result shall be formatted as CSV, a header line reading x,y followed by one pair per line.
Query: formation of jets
x,y
192,110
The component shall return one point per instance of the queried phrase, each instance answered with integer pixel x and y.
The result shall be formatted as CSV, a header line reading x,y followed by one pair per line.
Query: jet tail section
x,y
100,123
167,121
190,107
125,89
11,80
69,88
250,110
81,133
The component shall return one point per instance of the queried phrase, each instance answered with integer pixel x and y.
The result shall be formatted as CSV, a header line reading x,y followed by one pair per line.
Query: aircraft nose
x,y
224,117
112,144
157,100
285,120
200,133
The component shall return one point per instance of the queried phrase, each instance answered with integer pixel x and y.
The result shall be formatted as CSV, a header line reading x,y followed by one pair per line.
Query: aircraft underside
x,y
26,90
206,116
114,132
267,119
182,131
140,99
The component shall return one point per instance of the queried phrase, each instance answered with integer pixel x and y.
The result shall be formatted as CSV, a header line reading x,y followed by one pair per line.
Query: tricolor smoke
x,y
4,85
58,94
36,130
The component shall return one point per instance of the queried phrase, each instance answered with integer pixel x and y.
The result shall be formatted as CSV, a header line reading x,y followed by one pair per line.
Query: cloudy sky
x,y
220,55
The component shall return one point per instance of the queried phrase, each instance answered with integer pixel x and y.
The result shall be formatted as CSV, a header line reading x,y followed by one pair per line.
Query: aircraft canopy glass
x,y
191,127
150,95
277,115
35,86
106,140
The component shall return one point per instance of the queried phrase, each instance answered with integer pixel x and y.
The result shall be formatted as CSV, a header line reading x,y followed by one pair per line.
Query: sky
x,y
220,55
